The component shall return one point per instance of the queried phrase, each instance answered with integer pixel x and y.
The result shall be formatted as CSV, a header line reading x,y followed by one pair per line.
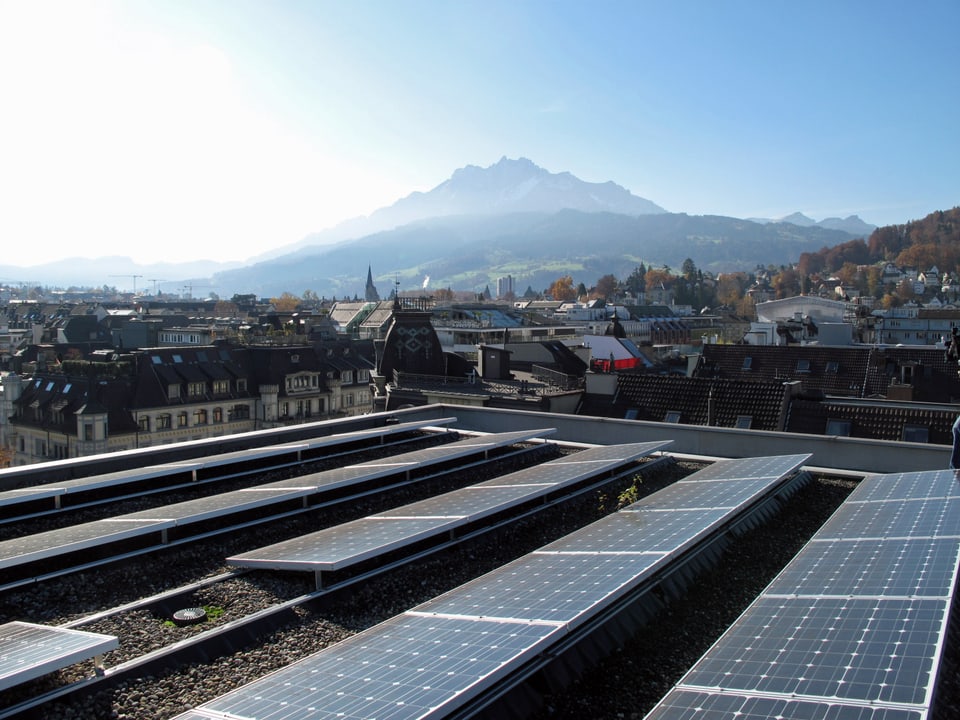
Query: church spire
x,y
371,294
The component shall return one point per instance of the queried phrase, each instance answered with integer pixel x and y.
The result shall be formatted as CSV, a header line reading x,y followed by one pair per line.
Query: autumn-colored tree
x,y
443,295
607,287
287,302
731,287
905,291
562,289
656,277
786,283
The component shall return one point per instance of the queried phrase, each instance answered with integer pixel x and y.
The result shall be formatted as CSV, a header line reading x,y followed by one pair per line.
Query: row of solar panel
x,y
432,659
854,626
344,545
45,545
129,480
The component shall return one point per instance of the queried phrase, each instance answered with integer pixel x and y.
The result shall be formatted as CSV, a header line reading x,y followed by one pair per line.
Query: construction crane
x,y
155,281
134,280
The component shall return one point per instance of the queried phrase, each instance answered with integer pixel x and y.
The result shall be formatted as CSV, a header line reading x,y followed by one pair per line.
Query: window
x,y
144,423
803,365
916,433
218,415
182,420
833,367
177,359
88,431
173,392
240,412
200,417
744,422
241,384
284,409
196,389
221,387
349,399
163,421
838,427
363,375
747,363
631,414
672,416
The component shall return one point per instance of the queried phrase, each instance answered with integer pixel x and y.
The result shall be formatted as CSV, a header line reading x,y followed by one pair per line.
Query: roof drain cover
x,y
190,616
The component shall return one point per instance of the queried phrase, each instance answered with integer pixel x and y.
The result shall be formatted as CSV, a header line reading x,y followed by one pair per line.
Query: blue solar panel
x,y
854,625
891,568
692,705
546,587
931,517
406,667
640,531
28,651
874,650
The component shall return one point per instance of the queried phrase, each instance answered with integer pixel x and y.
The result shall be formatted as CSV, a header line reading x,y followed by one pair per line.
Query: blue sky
x,y
189,129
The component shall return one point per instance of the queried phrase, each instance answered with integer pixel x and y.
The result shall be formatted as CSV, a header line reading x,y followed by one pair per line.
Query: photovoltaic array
x,y
854,626
431,660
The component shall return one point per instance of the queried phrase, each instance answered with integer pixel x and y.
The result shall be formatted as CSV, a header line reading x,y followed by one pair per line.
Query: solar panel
x,y
406,667
928,517
29,651
876,650
751,468
691,705
339,546
905,568
546,587
856,621
25,549
643,531
912,485
212,506
623,452
705,494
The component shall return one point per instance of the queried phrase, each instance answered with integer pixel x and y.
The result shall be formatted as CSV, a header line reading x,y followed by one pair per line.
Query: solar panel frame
x,y
29,650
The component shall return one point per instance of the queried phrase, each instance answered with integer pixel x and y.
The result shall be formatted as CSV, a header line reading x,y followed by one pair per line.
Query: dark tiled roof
x,y
861,371
654,396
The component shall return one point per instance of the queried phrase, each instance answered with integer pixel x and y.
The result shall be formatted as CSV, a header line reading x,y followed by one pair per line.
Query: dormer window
x,y
803,365
672,416
747,363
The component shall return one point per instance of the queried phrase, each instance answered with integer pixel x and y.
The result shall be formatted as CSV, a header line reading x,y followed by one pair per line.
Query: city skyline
x,y
182,131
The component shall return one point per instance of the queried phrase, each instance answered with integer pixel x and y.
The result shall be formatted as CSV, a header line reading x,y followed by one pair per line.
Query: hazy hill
x,y
851,224
471,251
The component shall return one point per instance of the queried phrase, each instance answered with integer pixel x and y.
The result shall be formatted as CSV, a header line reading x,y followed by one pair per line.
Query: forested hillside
x,y
920,244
